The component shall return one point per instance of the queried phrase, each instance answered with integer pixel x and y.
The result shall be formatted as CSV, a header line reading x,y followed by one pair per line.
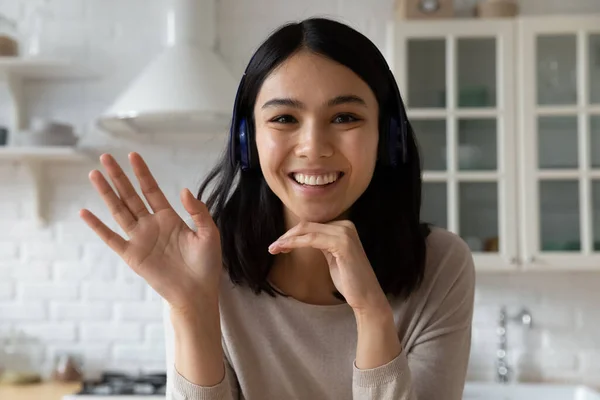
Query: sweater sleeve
x,y
182,389
179,388
435,366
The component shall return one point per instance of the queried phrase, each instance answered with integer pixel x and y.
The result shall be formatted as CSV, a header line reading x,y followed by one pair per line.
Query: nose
x,y
314,142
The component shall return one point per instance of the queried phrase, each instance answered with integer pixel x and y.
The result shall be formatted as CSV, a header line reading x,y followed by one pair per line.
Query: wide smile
x,y
316,184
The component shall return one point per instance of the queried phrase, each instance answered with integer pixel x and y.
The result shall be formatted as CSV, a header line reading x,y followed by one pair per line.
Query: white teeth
x,y
316,180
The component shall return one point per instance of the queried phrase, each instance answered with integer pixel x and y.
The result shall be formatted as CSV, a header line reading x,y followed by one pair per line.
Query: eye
x,y
345,119
284,119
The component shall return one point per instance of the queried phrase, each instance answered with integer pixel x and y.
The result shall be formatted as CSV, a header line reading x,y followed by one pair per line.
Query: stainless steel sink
x,y
495,391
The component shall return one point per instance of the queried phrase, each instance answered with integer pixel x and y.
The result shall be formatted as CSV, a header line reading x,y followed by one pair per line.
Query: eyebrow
x,y
349,98
336,101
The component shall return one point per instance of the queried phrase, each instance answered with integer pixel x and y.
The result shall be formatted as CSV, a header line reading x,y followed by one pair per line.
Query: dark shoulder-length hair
x,y
387,215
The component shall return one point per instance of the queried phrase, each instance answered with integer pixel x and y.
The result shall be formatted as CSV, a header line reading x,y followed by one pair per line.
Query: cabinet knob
x,y
514,260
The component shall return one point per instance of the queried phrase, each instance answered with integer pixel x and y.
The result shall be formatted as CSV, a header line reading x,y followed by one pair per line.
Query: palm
x,y
164,239
182,265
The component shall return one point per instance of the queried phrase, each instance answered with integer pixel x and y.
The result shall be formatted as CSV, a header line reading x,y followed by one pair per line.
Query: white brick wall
x,y
81,311
96,332
63,286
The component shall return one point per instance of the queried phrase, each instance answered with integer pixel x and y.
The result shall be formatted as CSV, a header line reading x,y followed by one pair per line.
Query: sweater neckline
x,y
307,306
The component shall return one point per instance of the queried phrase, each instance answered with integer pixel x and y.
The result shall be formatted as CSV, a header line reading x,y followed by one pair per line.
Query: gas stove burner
x,y
117,383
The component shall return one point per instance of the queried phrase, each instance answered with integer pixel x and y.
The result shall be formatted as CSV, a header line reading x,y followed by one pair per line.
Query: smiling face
x,y
316,135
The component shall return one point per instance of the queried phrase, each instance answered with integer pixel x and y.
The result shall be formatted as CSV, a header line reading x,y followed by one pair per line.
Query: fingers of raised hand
x,y
198,211
126,191
152,192
121,214
112,239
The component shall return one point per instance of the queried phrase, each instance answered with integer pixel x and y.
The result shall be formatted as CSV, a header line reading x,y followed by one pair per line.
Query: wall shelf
x,y
42,68
14,71
35,160
43,154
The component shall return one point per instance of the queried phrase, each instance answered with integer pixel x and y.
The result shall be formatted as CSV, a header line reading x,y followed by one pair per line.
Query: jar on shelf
x,y
497,9
9,45
35,29
424,9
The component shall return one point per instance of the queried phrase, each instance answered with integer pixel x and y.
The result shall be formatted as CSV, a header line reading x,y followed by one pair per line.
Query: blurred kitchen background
x,y
507,111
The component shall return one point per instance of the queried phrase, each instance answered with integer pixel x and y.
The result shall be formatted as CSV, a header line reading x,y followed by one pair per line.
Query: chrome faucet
x,y
503,371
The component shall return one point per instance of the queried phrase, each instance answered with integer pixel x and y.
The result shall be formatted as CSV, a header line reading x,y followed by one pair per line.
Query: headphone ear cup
x,y
244,145
233,145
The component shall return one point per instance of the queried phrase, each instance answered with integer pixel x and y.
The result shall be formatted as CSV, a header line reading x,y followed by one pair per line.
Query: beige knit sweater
x,y
281,349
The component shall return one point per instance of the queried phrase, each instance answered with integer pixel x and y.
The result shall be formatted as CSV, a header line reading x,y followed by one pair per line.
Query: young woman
x,y
309,274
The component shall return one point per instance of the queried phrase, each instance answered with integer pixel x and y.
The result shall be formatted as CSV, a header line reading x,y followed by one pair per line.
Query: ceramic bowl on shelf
x,y
36,139
45,133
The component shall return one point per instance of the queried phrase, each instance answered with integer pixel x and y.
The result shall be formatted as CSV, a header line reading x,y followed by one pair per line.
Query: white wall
x,y
62,285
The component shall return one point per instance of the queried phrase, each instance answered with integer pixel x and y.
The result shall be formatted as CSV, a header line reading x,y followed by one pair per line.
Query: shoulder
x,y
443,245
448,261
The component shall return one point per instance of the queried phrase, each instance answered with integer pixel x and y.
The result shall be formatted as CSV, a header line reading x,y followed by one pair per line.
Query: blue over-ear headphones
x,y
393,136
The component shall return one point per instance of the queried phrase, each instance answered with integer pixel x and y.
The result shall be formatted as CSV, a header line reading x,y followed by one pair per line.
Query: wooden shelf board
x,y
42,68
48,153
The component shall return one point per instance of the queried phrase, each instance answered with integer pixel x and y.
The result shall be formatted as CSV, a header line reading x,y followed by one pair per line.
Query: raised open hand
x,y
182,265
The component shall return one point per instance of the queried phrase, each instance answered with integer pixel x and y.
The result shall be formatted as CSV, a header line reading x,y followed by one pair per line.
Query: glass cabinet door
x,y
594,67
561,142
427,69
556,69
596,212
595,183
476,71
457,82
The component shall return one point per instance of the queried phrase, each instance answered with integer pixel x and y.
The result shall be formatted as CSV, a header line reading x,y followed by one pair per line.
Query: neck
x,y
303,273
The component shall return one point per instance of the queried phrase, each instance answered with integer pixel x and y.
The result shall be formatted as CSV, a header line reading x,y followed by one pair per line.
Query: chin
x,y
320,216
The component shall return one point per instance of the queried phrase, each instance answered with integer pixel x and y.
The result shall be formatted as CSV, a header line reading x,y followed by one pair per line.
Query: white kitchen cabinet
x,y
457,79
507,114
559,114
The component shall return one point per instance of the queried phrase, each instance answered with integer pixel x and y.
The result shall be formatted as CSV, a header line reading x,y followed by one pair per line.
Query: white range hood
x,y
186,89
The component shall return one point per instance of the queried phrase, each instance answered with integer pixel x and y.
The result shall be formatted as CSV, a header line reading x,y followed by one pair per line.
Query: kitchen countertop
x,y
38,391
